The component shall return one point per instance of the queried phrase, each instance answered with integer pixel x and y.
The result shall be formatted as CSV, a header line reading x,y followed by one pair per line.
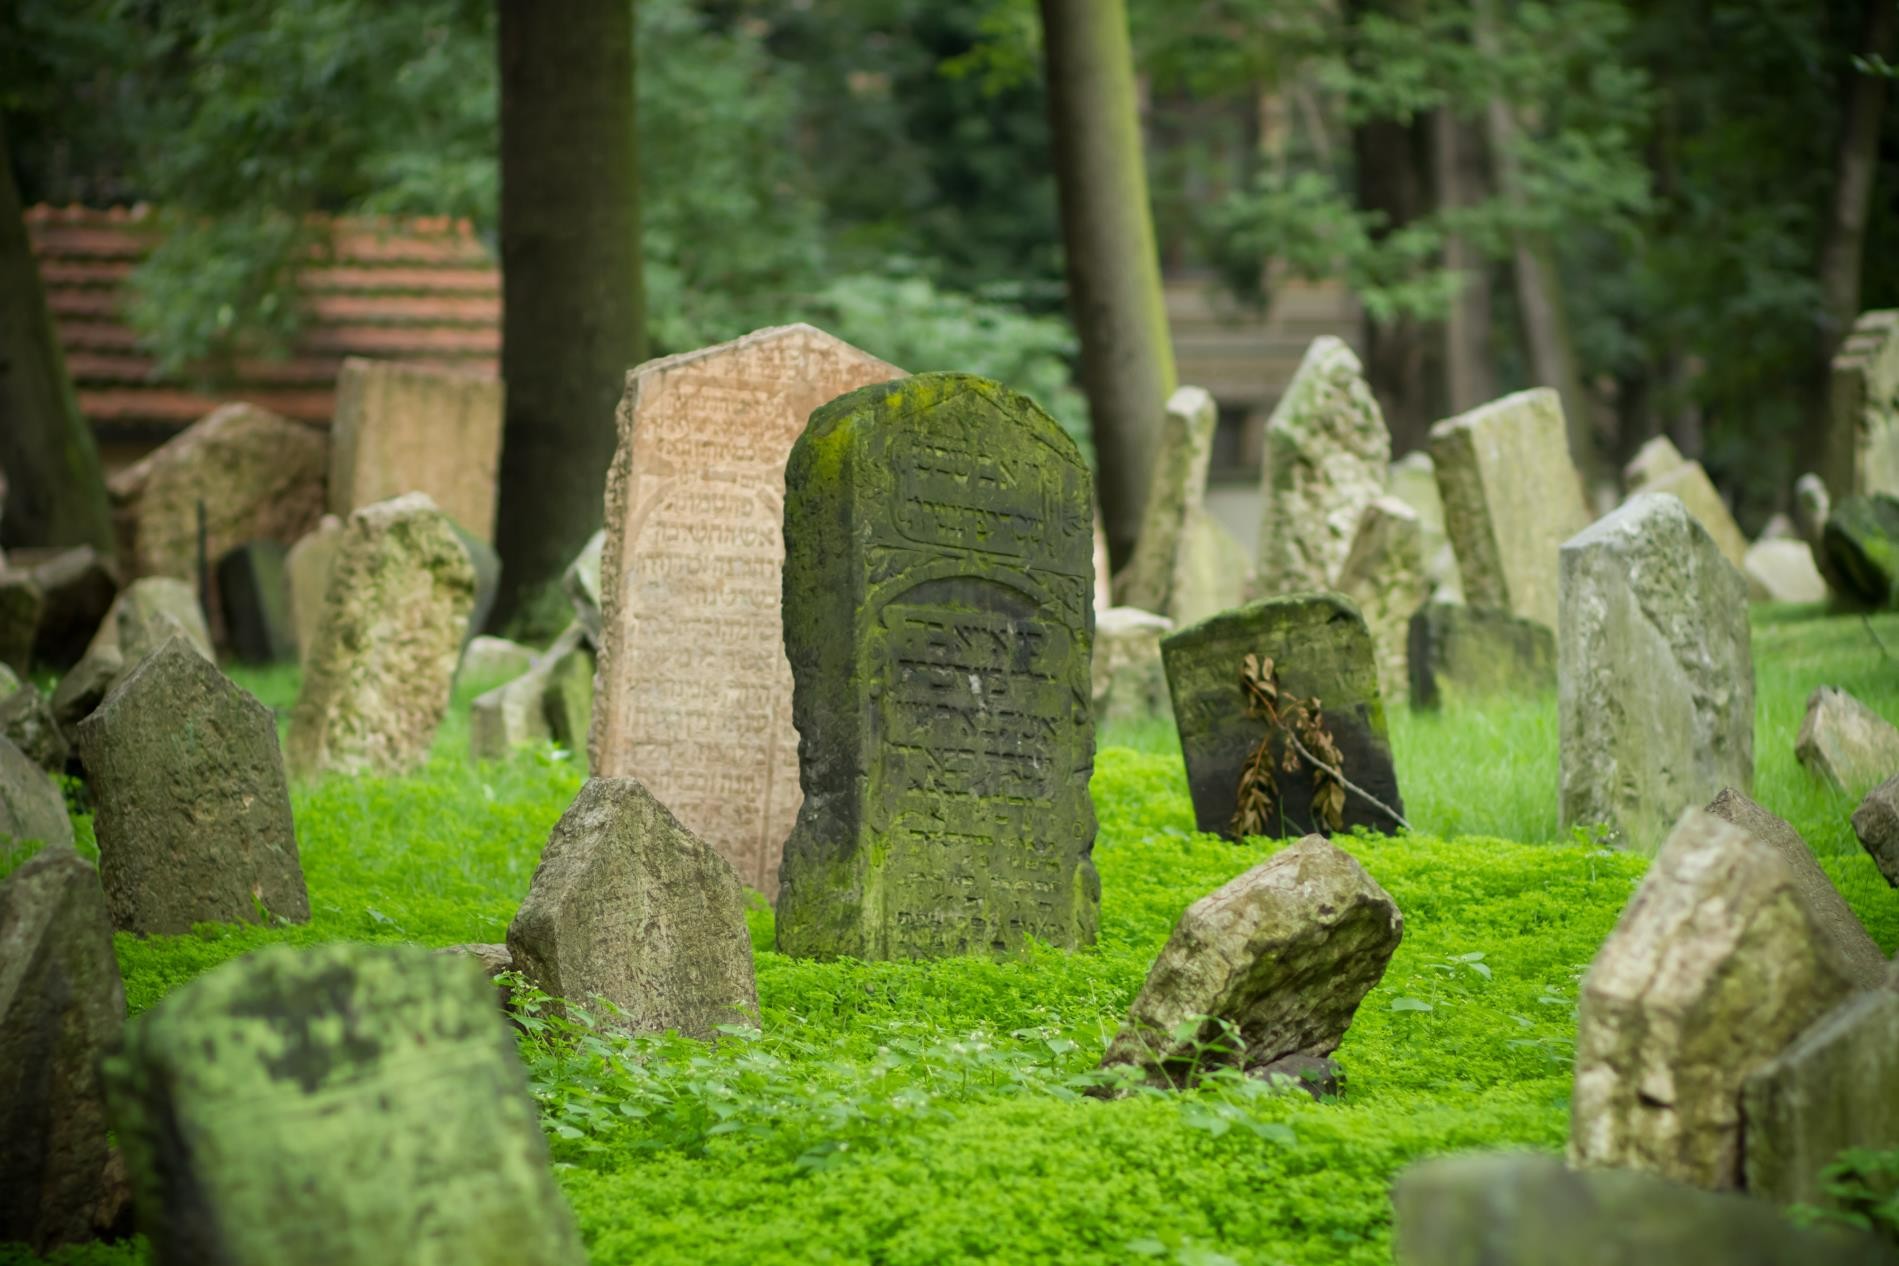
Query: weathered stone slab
x,y
628,906
1655,672
568,699
1833,918
939,617
146,613
189,799
1875,822
1458,654
31,806
1812,506
1846,744
1525,1209
254,594
1321,649
1175,493
581,583
61,1006
1836,1087
1782,570
1128,682
1384,575
410,428
494,659
82,689
1283,955
1511,498
1325,460
1656,458
79,585
377,682
1713,969
1860,452
21,604
330,1107
1860,548
1697,492
308,568
258,476
1414,482
694,688
26,721
515,713
1215,573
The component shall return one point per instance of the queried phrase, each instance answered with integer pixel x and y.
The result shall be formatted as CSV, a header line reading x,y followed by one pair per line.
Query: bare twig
x,y
1348,784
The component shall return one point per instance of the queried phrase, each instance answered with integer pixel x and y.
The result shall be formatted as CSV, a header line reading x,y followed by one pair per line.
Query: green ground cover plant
x,y
906,1114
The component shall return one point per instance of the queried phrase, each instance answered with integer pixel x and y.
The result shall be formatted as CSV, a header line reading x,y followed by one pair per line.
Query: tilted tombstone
x,y
1714,968
189,798
1384,576
1691,484
1783,571
254,596
377,681
1511,498
1326,459
1860,453
61,1006
939,617
1875,822
346,1105
1655,672
308,568
31,807
628,907
694,693
1844,743
1457,654
1320,649
411,428
1153,578
1414,482
1859,550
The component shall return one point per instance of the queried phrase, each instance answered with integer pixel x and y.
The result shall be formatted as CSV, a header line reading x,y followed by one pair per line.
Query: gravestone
x,y
1860,452
31,807
21,604
694,695
939,615
1844,743
1655,672
346,1105
1835,1087
81,689
581,583
411,428
1812,506
1325,460
1384,576
626,905
1782,570
79,585
258,476
1215,573
1282,954
1127,680
514,714
1875,822
307,567
61,1006
1414,482
1458,654
254,594
1859,550
1175,495
1656,458
377,680
1697,492
568,700
1714,968
189,800
26,721
1321,649
1511,498
493,659
146,613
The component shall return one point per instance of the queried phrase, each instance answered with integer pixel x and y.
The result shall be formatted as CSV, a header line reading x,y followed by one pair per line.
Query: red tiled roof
x,y
424,291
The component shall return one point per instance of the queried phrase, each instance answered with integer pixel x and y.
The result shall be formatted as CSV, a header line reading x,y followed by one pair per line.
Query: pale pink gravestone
x,y
415,428
693,695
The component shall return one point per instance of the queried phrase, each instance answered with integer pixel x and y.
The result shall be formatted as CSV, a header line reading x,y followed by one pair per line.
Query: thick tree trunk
x,y
55,491
571,318
1114,285
1403,356
1854,165
1470,376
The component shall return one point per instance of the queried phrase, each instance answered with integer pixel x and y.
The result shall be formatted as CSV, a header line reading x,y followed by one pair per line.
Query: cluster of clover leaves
x,y
1299,726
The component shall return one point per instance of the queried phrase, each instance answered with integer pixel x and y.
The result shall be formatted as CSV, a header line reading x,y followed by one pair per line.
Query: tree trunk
x,y
1855,163
55,491
1470,376
1114,285
1403,356
571,316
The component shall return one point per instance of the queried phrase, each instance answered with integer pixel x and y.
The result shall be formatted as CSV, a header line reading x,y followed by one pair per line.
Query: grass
x,y
923,1113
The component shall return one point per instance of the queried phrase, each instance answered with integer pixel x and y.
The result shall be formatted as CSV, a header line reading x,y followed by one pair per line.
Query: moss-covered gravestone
x,y
1320,650
938,605
1459,653
342,1106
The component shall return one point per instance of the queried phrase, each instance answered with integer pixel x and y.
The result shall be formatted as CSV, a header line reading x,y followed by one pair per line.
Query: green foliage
x,y
1863,1185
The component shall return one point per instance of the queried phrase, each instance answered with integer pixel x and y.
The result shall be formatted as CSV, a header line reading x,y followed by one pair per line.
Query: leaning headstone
x,y
1832,917
410,428
308,568
1414,482
1527,1209
1860,452
21,604
1690,482
1846,744
1656,458
1128,683
494,659
628,906
514,714
1655,672
377,681
581,583
1325,460
1714,968
61,1007
1320,648
1384,575
695,691
258,477
31,806
147,612
1782,570
1272,964
1511,498
339,1106
568,700
85,685
1836,1087
939,617
1458,654
1860,548
190,804
26,721
79,585
254,595
1175,493
1875,822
